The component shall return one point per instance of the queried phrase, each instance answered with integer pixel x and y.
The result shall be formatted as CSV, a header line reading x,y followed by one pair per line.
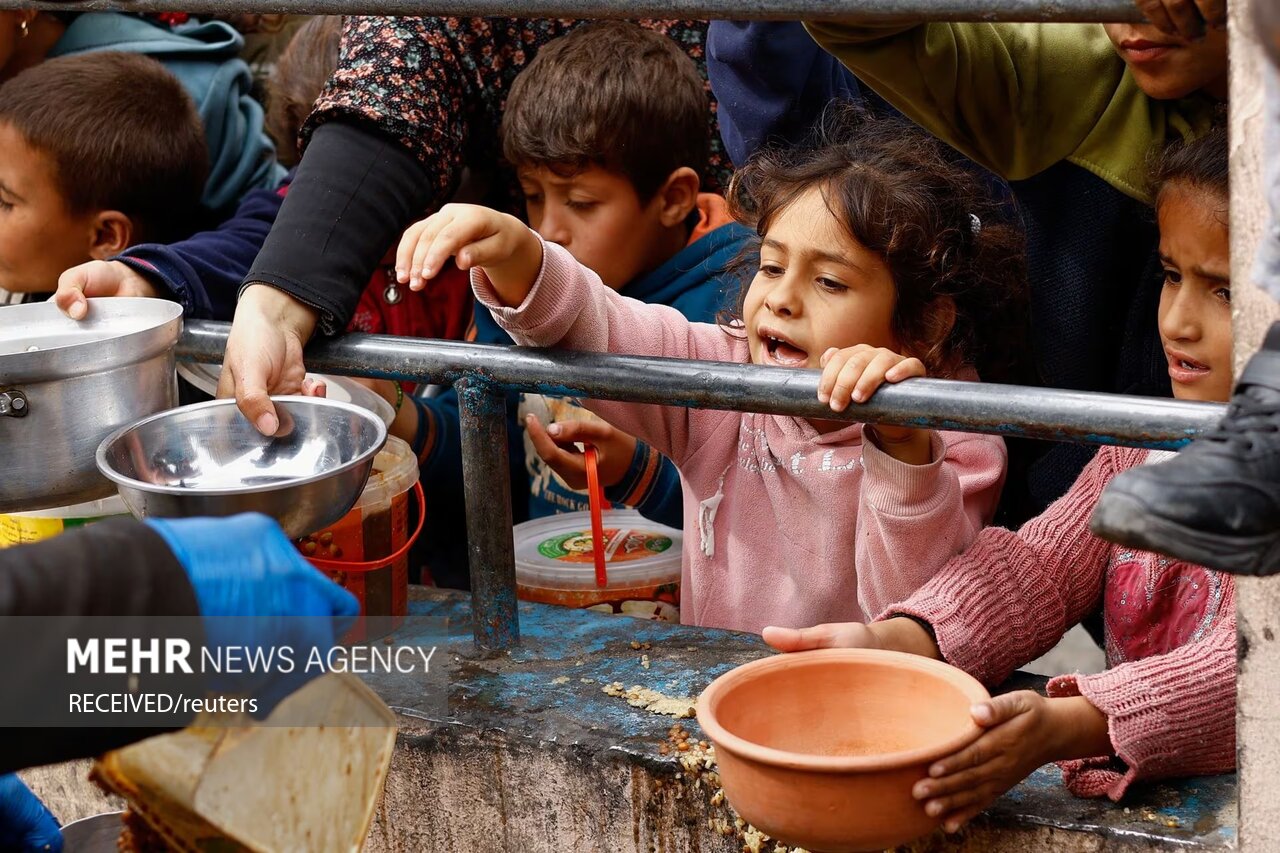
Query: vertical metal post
x,y
1257,599
487,481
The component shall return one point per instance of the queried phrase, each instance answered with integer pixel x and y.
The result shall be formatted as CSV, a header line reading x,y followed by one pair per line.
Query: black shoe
x,y
1217,503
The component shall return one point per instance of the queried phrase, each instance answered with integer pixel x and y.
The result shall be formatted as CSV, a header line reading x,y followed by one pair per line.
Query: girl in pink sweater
x,y
1166,705
878,260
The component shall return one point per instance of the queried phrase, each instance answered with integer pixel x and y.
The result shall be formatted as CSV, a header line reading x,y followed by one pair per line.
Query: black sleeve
x,y
114,575
354,194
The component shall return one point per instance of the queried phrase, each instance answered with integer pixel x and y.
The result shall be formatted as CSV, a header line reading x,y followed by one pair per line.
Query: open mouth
x,y
1183,368
781,350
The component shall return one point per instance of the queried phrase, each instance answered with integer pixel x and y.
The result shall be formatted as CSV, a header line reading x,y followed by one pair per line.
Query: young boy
x,y
97,152
607,129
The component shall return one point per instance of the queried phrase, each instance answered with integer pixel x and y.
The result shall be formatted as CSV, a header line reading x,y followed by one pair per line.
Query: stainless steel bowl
x,y
97,834
207,459
64,385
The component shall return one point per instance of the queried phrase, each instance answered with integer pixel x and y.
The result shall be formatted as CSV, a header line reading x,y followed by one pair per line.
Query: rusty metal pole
x,y
1257,599
487,485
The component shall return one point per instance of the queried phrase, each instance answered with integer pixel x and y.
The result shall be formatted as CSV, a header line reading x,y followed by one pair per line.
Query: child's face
x,y
597,215
39,236
1195,305
816,288
1168,67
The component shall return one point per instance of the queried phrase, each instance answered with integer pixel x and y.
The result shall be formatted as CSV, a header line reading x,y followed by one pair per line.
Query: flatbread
x,y
308,779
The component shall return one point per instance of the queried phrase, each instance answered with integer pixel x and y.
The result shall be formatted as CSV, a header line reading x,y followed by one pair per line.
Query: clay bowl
x,y
820,749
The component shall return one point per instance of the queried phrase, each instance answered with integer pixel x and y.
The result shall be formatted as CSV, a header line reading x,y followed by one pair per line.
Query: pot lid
x,y
39,343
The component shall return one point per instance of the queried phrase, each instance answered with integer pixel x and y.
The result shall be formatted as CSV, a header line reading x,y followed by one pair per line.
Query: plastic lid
x,y
555,552
113,505
343,389
395,470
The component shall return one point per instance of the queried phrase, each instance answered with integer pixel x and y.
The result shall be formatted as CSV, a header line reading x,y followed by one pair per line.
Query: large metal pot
x,y
66,385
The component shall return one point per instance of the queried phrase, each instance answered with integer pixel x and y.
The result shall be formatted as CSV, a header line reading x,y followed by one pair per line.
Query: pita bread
x,y
307,779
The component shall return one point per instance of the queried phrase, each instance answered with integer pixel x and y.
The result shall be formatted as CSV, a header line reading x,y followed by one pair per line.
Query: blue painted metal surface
x,y
549,691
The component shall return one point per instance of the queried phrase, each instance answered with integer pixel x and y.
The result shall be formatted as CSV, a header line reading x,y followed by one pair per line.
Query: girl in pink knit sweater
x,y
878,259
1166,705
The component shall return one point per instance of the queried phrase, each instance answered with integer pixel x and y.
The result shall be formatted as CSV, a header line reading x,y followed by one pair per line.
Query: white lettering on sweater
x,y
755,455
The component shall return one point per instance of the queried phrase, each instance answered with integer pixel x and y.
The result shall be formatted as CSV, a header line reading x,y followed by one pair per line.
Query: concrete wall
x,y
1258,600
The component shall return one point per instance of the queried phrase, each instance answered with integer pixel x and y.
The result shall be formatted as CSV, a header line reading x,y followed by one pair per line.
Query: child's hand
x,y
1185,18
854,373
832,635
98,278
503,246
1023,730
896,635
614,449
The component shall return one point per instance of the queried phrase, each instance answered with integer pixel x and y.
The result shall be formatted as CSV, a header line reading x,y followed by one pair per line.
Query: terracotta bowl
x,y
820,749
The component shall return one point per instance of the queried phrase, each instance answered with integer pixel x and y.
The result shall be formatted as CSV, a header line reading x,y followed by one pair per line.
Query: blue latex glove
x,y
255,590
25,824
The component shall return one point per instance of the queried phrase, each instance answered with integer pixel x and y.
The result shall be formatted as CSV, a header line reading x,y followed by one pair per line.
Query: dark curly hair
x,y
935,225
1200,164
613,94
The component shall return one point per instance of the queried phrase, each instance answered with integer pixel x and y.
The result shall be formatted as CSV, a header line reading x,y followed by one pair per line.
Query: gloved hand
x,y
255,590
25,824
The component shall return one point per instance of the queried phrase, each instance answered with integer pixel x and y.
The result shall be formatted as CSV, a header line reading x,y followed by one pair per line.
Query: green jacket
x,y
1018,98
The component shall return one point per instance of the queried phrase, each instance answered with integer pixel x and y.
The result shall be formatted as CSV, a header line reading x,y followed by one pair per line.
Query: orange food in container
x,y
367,551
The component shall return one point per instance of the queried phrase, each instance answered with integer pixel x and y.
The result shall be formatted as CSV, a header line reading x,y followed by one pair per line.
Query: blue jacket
x,y
693,282
205,58
772,82
205,271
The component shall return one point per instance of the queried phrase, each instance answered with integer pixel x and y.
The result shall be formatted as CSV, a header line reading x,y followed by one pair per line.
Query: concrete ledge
x,y
531,755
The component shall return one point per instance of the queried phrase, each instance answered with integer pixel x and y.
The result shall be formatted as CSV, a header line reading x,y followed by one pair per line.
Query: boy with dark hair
x,y
97,152
607,129
634,123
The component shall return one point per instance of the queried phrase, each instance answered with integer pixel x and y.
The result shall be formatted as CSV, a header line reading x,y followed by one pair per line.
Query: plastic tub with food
x,y
367,550
555,564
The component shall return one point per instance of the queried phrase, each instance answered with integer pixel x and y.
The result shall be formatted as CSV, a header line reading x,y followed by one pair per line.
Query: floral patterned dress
x,y
438,86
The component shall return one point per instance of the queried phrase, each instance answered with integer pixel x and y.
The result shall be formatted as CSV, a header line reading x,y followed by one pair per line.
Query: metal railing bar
x,y
1008,410
862,11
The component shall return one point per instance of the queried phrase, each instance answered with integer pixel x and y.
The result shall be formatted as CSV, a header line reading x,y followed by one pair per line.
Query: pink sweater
x,y
783,526
1170,692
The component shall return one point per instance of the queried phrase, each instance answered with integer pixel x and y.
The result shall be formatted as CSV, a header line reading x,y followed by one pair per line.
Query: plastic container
x,y
554,564
21,528
377,527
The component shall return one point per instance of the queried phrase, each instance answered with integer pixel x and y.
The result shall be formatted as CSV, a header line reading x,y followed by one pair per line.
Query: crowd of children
x,y
850,241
